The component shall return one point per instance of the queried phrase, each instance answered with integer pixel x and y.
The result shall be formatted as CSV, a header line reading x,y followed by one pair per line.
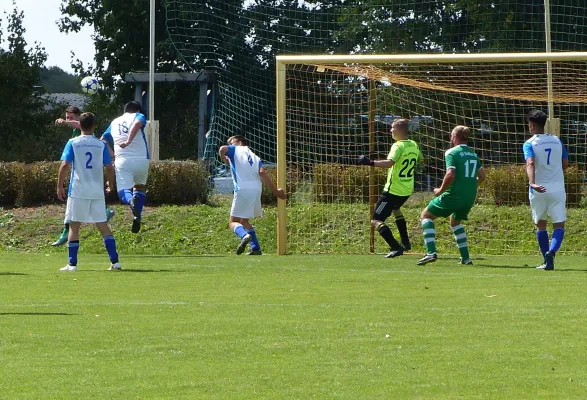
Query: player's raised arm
x,y
223,153
363,160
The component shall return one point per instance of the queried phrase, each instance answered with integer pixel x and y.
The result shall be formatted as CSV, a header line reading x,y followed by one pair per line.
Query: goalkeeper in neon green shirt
x,y
72,116
401,161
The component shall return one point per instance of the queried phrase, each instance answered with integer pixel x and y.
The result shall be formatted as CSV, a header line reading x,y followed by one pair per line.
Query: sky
x,y
40,18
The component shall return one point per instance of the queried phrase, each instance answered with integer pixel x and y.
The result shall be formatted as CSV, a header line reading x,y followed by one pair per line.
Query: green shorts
x,y
444,206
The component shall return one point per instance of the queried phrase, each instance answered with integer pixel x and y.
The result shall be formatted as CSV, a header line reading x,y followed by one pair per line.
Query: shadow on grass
x,y
12,273
35,313
176,256
148,270
528,267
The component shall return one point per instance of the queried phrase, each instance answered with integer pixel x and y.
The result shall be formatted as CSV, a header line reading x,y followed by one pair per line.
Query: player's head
x,y
459,135
536,121
87,122
399,129
237,140
72,113
133,107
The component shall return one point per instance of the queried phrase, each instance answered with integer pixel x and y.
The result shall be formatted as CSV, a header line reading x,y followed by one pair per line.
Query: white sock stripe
x,y
456,228
429,240
381,207
426,220
461,245
429,231
461,236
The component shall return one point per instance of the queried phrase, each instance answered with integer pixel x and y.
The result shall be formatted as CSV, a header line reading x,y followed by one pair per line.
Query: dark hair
x,y
74,110
538,117
238,138
133,107
402,124
87,121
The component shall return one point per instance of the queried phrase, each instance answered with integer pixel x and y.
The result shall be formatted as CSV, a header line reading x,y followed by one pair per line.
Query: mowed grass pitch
x,y
299,327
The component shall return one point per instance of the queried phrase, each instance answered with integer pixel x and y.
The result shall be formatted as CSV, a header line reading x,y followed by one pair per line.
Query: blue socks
x,y
110,245
125,195
542,237
240,231
557,239
254,241
72,249
139,201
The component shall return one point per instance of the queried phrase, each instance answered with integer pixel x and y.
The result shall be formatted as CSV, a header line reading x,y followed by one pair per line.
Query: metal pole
x,y
372,194
152,62
281,157
548,63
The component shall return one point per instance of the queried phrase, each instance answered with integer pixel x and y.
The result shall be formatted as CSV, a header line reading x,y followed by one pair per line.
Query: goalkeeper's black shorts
x,y
386,204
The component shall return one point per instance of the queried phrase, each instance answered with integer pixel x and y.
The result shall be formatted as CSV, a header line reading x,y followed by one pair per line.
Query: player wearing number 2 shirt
x,y
401,161
455,197
546,160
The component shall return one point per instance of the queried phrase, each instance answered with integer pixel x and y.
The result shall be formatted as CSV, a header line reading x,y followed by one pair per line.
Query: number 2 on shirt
x,y
88,166
549,150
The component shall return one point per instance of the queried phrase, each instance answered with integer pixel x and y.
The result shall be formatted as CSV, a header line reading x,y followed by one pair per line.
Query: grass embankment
x,y
296,327
337,228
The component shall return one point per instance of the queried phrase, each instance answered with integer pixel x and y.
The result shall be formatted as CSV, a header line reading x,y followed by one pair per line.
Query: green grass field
x,y
294,327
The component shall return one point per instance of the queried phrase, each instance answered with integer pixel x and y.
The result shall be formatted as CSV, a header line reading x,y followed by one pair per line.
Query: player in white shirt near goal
x,y
88,157
126,135
247,173
546,160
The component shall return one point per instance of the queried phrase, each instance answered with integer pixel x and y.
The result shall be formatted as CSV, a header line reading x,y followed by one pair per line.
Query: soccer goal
x,y
332,109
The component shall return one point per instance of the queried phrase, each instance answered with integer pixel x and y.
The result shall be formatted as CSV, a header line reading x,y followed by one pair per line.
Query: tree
x,y
23,121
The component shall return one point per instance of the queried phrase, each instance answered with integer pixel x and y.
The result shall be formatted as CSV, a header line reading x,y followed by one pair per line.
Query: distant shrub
x,y
294,177
508,185
344,183
178,182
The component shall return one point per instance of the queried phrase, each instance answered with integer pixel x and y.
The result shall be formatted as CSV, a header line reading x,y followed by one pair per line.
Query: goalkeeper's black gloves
x,y
365,161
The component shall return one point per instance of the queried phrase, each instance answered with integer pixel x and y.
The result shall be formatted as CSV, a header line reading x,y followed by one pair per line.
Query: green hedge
x,y
170,182
345,184
508,185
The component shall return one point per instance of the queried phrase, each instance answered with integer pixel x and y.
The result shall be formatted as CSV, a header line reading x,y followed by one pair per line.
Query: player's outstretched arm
x,y
61,179
279,192
362,160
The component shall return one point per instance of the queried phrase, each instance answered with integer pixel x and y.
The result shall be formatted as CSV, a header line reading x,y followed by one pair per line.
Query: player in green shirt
x,y
455,197
72,116
401,161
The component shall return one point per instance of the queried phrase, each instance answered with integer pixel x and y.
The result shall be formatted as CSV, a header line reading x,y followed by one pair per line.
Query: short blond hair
x,y
462,132
237,138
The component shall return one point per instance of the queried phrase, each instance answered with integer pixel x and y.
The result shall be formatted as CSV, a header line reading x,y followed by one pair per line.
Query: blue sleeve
x,y
107,136
141,117
260,164
528,150
230,152
565,153
106,156
67,152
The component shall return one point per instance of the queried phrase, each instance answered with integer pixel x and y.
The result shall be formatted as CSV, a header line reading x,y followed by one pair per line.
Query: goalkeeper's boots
x,y
466,262
407,246
398,251
62,238
548,262
243,244
428,258
255,253
136,220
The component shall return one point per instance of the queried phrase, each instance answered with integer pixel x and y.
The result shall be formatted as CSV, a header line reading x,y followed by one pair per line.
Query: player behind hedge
x,y
455,196
401,161
72,115
126,134
88,157
546,160
247,173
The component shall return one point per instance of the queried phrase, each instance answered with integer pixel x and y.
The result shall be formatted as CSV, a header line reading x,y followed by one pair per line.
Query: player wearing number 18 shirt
x,y
546,160
401,161
456,195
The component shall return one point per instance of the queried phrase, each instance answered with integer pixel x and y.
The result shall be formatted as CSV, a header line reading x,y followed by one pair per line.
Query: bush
x,y
345,184
508,185
293,178
170,182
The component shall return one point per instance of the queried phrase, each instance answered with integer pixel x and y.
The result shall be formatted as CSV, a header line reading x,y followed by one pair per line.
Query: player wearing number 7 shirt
x,y
455,196
401,161
546,161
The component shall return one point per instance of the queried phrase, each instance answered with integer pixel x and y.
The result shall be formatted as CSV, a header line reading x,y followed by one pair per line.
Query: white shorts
x,y
131,172
548,204
246,203
85,210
